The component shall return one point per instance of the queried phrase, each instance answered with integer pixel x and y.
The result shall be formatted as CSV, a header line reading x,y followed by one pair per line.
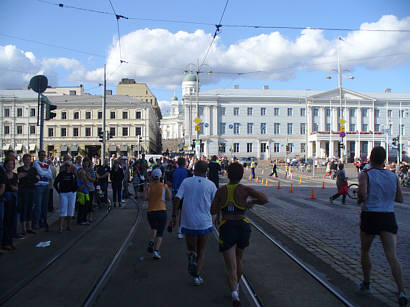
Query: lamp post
x,y
197,72
341,121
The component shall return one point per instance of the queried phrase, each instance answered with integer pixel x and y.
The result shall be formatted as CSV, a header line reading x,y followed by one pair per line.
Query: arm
x,y
216,203
2,188
145,193
399,195
56,182
363,182
176,205
168,194
258,198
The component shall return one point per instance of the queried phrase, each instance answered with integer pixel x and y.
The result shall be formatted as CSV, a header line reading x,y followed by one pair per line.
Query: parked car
x,y
246,161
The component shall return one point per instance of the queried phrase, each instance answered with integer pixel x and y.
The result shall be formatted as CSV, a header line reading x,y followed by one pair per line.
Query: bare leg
x,y
153,234
201,244
366,242
158,243
69,218
60,224
231,268
389,241
239,265
191,244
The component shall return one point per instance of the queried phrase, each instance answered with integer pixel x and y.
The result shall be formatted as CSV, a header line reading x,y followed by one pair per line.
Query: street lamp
x,y
342,121
197,72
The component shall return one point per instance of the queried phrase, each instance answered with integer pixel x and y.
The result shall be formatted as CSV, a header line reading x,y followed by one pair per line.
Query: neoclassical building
x,y
172,127
267,123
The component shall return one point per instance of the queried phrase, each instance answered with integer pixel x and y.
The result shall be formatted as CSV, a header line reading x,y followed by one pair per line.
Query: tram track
x,y
89,298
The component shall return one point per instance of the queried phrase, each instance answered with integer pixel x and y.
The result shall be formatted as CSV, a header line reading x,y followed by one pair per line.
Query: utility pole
x,y
104,105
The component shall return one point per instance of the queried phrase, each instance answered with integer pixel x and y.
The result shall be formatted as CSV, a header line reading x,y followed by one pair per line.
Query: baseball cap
x,y
156,173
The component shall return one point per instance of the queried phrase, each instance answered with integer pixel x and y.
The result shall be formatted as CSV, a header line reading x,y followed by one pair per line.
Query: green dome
x,y
190,77
175,98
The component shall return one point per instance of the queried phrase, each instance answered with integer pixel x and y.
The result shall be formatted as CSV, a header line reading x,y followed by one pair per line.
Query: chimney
x,y
266,87
236,86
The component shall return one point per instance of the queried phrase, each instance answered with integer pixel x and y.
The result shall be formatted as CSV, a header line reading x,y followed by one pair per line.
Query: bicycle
x,y
353,190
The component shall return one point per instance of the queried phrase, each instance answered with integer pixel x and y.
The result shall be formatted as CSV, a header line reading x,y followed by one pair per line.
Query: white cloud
x,y
159,57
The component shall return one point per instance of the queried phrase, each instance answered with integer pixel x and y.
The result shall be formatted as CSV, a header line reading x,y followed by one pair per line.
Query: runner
x,y
378,190
157,193
196,220
213,171
230,203
178,176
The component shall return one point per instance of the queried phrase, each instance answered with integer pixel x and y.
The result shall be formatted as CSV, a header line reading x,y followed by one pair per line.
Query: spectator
x,y
50,186
41,192
27,178
103,173
83,197
116,177
91,178
66,186
342,186
10,205
213,171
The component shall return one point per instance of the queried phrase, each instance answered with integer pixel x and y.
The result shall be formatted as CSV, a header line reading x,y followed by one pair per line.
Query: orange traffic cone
x,y
257,179
263,172
323,185
267,182
263,181
313,194
246,167
250,178
278,187
300,180
291,188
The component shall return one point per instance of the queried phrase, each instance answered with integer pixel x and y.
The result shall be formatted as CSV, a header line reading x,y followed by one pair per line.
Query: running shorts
x,y
234,232
157,220
373,223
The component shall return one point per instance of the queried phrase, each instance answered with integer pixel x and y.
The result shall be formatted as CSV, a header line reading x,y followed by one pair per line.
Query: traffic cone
x,y
300,180
274,175
313,194
267,182
263,181
246,167
263,171
323,185
257,179
291,188
278,187
250,178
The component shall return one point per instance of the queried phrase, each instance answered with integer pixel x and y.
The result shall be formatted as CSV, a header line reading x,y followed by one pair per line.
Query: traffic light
x,y
49,108
193,144
287,147
101,135
395,142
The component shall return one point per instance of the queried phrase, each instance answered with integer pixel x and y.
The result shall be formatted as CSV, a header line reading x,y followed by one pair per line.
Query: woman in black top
x,y
27,176
66,186
10,205
116,176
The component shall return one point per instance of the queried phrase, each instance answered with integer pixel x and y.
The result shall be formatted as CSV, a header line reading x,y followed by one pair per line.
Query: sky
x,y
156,41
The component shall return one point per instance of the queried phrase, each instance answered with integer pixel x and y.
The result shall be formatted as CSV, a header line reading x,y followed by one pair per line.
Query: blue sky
x,y
158,52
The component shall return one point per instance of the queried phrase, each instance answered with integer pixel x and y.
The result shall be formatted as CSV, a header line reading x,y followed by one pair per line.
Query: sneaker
x,y
124,201
331,200
156,255
150,248
19,237
84,223
180,235
192,265
366,288
402,299
198,281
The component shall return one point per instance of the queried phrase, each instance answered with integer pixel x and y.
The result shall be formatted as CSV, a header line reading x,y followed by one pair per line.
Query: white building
x,y
264,123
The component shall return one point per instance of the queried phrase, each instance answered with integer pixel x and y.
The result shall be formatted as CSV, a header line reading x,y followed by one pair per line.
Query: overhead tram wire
x,y
217,30
117,18
62,5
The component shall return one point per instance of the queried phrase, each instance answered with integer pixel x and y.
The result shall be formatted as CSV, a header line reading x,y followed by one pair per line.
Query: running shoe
x,y
365,288
150,248
402,299
156,255
180,235
236,303
192,264
235,299
198,281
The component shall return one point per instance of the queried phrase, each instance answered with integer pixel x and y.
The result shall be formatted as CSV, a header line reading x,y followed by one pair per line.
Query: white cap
x,y
156,173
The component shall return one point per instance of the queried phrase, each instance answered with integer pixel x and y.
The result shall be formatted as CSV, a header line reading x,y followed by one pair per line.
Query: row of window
x,y
264,147
76,115
276,111
250,128
76,131
352,112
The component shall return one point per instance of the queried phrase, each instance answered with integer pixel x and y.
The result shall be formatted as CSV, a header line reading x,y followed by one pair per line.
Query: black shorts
x,y
157,220
234,232
373,223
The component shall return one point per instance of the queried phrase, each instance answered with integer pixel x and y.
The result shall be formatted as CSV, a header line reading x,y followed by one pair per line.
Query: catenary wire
x,y
61,5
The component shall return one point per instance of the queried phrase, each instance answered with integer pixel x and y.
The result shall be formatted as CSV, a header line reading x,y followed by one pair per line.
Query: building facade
x,y
172,127
269,124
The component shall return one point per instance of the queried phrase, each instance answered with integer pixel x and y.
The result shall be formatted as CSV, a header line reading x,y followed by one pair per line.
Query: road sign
x,y
206,125
197,143
342,134
39,83
342,121
342,128
230,126
197,120
197,127
185,147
